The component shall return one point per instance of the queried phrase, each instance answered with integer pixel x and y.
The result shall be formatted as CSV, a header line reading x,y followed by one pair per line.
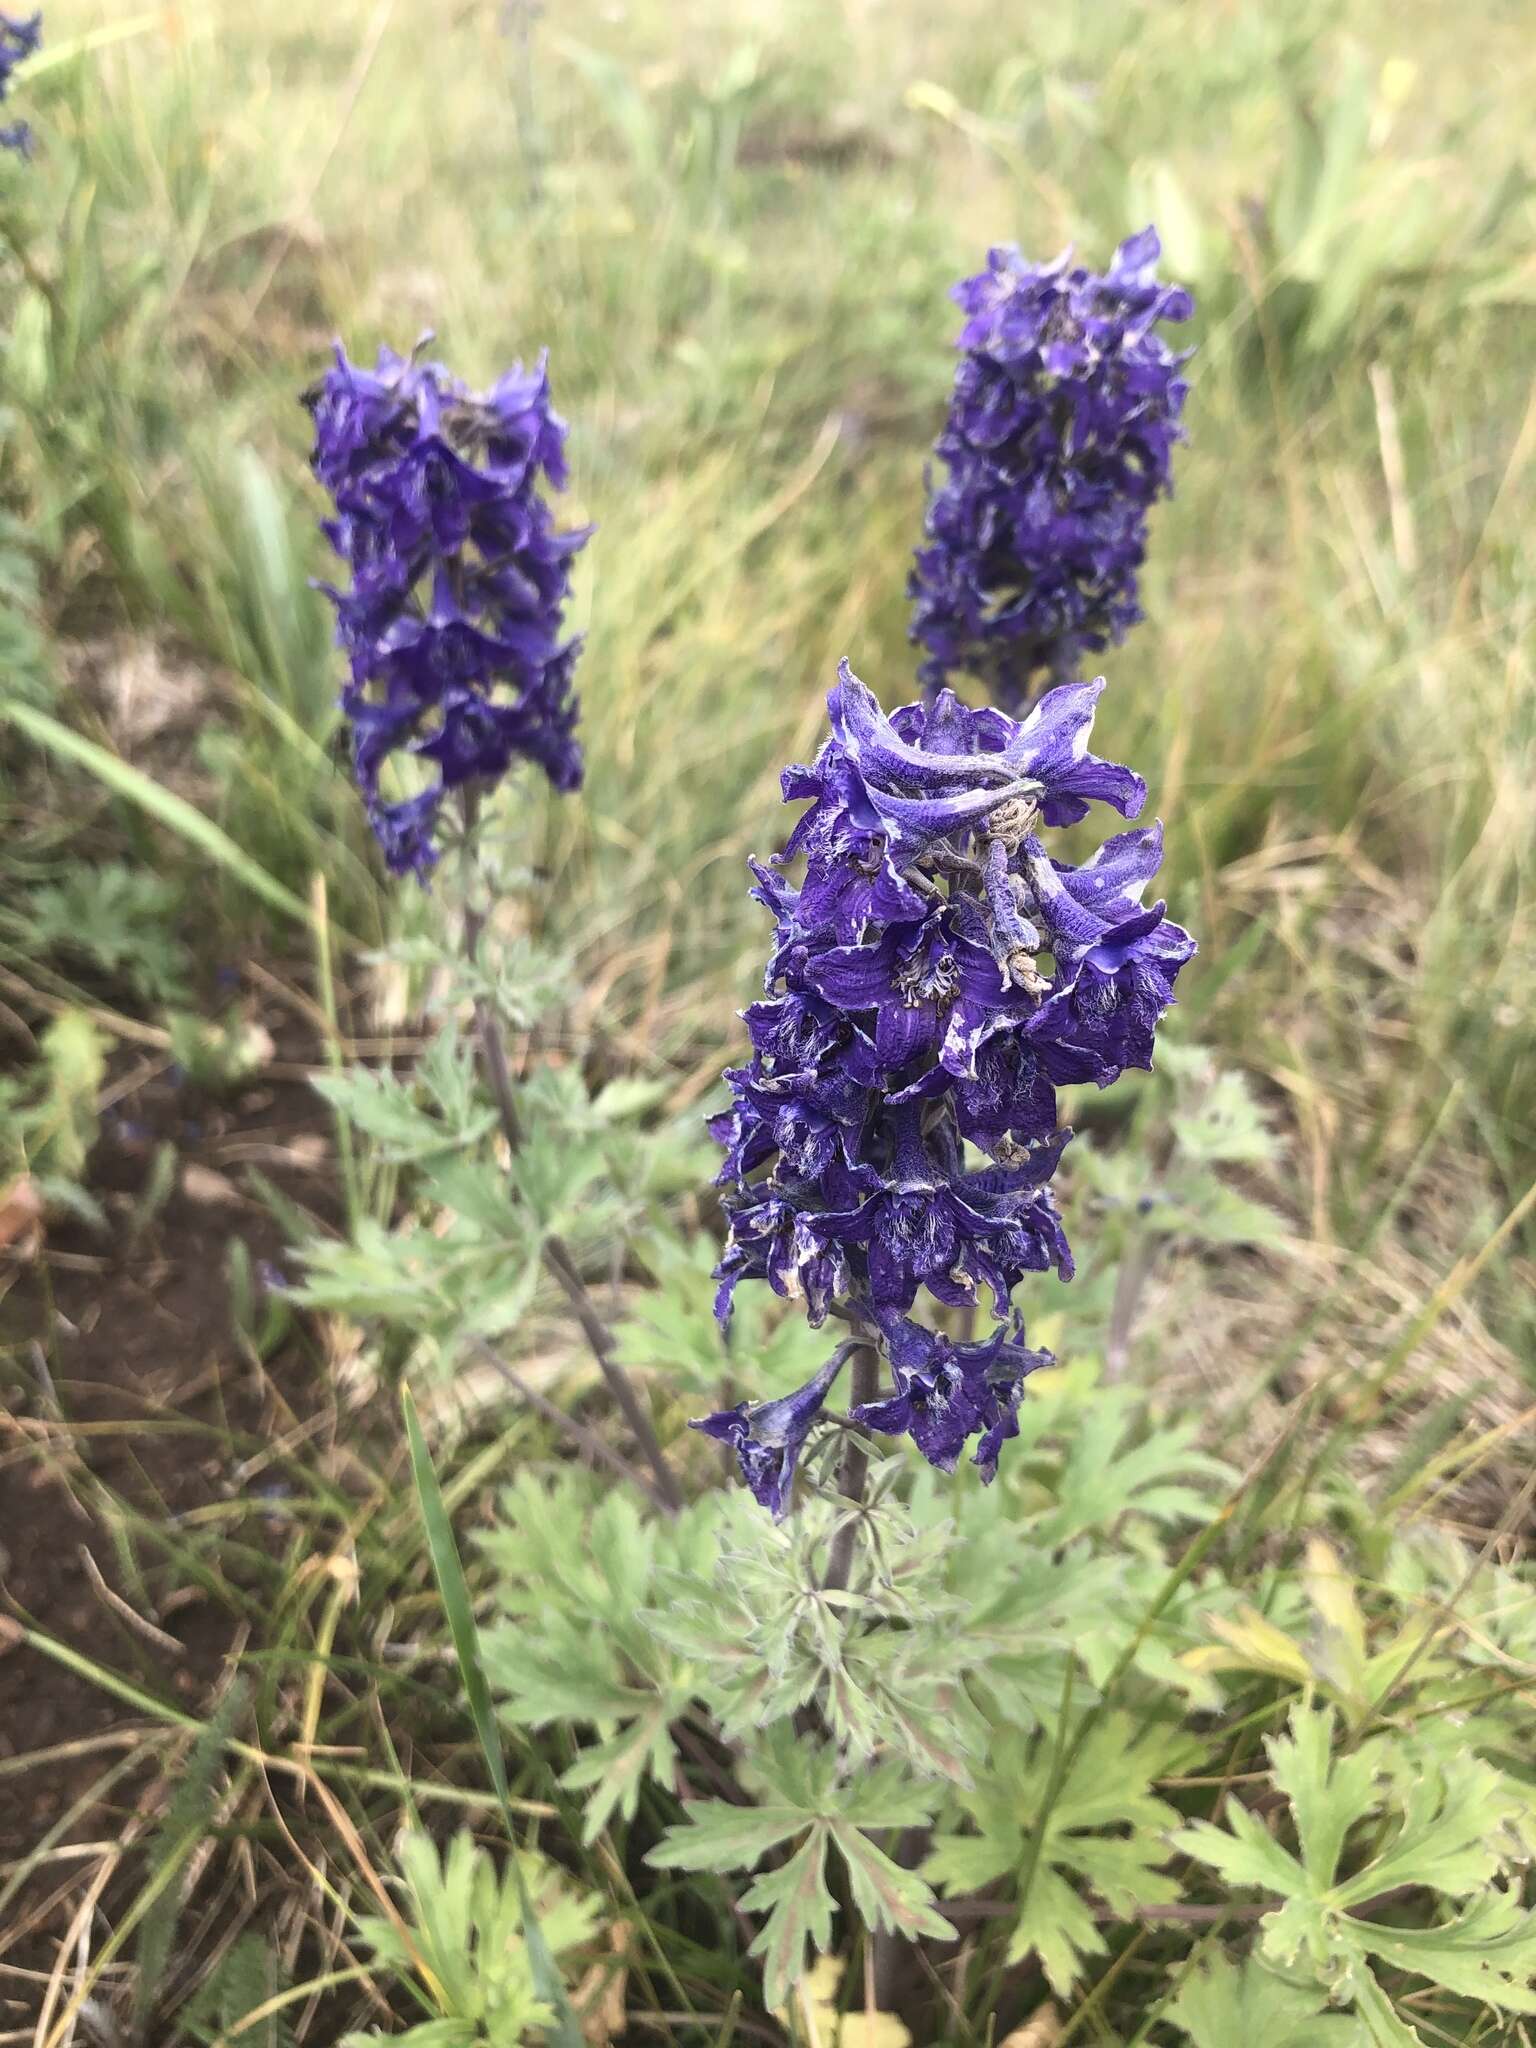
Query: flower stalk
x,y
556,1255
853,1468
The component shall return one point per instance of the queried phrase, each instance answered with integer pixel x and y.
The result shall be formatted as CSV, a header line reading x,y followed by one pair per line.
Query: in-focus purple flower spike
x,y
452,621
19,39
768,1437
934,977
1059,440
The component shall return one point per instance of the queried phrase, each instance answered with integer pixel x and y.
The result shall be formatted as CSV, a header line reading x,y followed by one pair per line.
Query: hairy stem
x,y
852,1473
498,1073
854,1469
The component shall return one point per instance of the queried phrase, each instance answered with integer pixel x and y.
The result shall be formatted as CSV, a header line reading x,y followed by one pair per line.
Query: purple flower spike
x,y
452,623
933,979
767,1438
19,39
1059,440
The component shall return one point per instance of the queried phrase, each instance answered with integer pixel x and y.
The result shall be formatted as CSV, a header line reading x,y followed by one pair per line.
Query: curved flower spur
x,y
933,979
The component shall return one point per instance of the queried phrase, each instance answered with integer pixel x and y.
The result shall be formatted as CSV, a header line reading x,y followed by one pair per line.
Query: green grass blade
x,y
92,40
170,810
187,1820
566,2033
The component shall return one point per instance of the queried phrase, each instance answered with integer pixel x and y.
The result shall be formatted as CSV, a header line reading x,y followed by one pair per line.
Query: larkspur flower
x,y
947,1393
1059,440
19,39
769,1436
934,977
452,622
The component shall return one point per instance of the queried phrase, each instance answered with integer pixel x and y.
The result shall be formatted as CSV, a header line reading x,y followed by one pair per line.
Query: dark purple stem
x,y
854,1468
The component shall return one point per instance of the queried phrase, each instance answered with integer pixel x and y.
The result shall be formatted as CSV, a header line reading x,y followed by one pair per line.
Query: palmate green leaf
x,y
579,1574
472,1186
1217,1122
1108,1787
630,1096
616,1769
764,1637
887,1895
808,1795
795,1900
1327,1796
571,1674
1245,1852
671,1328
59,1126
885,1797
1055,1924
1073,1605
1205,1210
718,1835
1487,1952
465,1941
628,1688
798,1909
441,1288
553,1171
1223,2004
1453,1824
1102,1471
122,918
1459,1824
578,1547
414,1118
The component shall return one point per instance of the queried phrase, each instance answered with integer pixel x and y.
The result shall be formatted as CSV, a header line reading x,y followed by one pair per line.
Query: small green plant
x,y
1440,1820
115,920
1221,2002
48,1116
458,1942
247,1979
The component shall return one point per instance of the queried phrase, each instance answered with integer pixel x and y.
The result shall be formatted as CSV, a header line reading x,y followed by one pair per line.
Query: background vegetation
x,y
735,229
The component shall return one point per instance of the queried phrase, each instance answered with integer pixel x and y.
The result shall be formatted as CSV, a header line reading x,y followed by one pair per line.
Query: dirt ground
x,y
120,1373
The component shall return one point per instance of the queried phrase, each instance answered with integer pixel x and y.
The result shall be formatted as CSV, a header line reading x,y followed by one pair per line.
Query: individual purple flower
x,y
933,1225
775,1237
768,1436
1059,440
963,765
947,1393
1117,962
907,981
452,621
19,39
851,873
810,1117
932,981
